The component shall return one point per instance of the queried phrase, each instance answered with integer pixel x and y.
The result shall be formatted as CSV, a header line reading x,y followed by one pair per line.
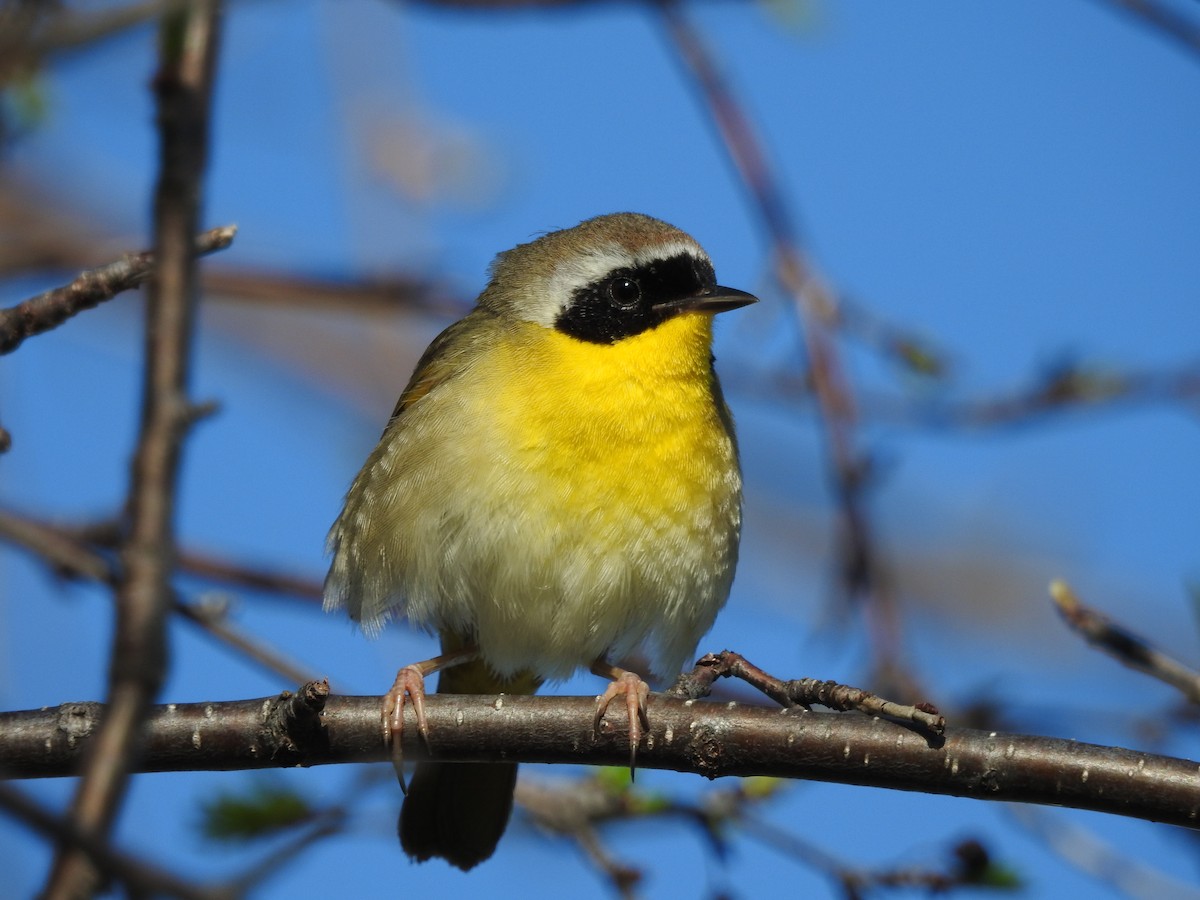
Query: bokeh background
x,y
1014,184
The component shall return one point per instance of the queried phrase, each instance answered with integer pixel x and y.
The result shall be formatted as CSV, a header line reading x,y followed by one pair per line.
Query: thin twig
x,y
1122,644
49,310
803,692
331,822
138,662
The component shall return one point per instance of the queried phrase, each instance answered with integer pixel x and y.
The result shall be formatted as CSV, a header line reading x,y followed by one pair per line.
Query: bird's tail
x,y
458,811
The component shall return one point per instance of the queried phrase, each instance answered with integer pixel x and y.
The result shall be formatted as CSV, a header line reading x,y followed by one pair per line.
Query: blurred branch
x,y
970,865
905,348
142,878
49,310
30,31
38,233
572,809
1161,18
255,578
576,808
710,739
337,294
1114,867
862,574
1123,645
66,554
1065,387
105,534
138,661
277,861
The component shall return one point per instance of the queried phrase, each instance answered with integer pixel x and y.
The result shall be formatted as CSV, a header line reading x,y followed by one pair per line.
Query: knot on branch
x,y
293,722
79,720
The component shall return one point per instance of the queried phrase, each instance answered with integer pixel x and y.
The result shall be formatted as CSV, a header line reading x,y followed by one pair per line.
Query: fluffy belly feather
x,y
590,512
568,566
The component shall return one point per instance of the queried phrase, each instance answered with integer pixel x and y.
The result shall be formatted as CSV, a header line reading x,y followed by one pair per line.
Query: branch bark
x,y
710,739
49,310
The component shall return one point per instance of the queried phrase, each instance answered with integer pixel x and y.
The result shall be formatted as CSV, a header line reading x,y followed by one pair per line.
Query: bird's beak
x,y
711,300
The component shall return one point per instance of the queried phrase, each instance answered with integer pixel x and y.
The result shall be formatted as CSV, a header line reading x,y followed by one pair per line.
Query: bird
x,y
558,487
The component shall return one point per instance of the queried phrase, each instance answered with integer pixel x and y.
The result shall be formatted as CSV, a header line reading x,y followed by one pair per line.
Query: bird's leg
x,y
410,681
636,693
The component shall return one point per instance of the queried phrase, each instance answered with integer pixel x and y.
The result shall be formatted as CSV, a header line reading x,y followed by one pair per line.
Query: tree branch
x,y
1122,644
51,309
138,662
710,739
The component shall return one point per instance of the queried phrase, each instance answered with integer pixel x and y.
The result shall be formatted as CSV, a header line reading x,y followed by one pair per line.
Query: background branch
x,y
139,876
138,661
64,552
861,574
1122,644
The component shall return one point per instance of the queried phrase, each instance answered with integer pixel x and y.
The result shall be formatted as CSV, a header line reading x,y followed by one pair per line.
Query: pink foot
x,y
410,681
636,692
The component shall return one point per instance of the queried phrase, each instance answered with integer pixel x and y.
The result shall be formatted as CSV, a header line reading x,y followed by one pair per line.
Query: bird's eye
x,y
624,291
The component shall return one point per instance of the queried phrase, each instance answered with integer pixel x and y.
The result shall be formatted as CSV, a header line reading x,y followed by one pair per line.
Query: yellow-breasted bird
x,y
557,487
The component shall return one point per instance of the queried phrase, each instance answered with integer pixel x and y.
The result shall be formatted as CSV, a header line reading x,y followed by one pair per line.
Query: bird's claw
x,y
410,682
636,692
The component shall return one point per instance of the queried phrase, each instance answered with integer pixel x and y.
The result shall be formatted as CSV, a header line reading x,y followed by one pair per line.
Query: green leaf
x,y
265,810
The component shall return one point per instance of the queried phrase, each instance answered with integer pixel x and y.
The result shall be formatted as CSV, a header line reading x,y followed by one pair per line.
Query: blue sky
x,y
1015,180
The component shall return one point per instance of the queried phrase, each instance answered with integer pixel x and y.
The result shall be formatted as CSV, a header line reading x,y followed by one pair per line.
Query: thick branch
x,y
710,739
91,288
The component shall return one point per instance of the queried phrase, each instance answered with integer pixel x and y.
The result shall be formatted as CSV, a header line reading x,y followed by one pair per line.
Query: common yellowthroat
x,y
557,487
